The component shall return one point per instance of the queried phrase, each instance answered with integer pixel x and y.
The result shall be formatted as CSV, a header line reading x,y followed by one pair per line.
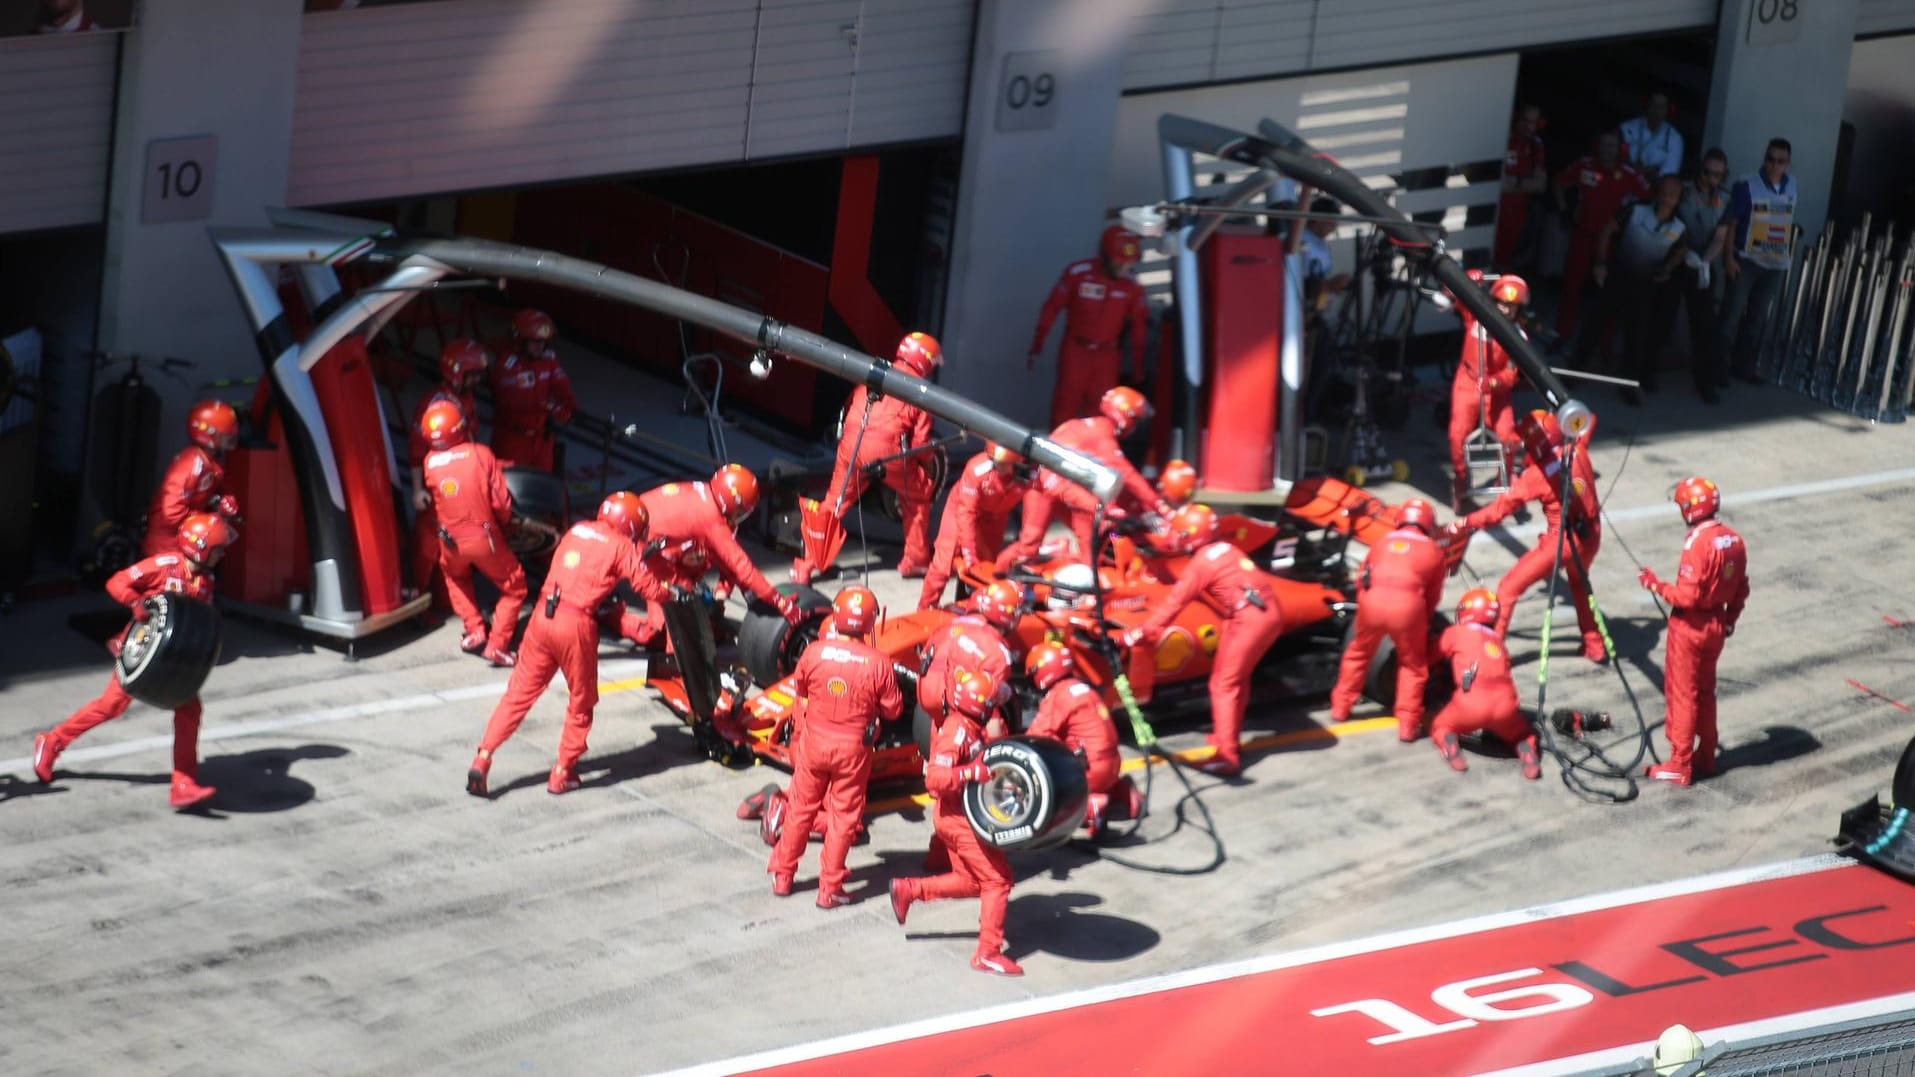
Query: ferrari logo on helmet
x,y
1246,564
1208,635
1494,650
570,560
449,487
1399,546
836,686
1578,484
668,489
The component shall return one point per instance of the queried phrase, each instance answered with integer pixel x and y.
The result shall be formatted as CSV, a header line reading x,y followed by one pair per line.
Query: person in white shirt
x,y
1651,142
1635,255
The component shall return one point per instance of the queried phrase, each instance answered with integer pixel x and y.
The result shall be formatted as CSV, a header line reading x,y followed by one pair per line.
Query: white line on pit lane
x,y
618,669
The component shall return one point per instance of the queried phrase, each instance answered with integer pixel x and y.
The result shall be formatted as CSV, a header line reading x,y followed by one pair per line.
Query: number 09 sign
x,y
1027,98
179,179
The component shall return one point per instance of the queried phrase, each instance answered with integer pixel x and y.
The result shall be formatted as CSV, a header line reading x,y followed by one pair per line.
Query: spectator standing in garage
x,y
1756,252
1525,175
1651,142
1695,282
1604,183
530,393
1635,257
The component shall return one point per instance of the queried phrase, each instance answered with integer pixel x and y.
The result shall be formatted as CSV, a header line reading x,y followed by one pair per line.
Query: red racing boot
x,y
1595,650
499,656
187,793
1452,753
1664,772
1408,731
45,751
472,642
563,780
912,570
475,774
1133,797
835,899
802,571
1219,767
1532,762
781,885
995,963
904,894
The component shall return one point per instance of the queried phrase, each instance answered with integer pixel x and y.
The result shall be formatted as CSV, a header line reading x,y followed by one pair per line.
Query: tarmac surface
x,y
345,908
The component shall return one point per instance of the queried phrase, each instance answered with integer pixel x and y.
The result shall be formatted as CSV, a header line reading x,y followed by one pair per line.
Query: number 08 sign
x,y
179,179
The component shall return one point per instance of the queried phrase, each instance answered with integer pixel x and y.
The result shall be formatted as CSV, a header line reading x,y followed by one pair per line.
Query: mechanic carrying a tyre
x,y
185,570
590,560
1226,580
977,869
195,479
1398,589
474,513
843,687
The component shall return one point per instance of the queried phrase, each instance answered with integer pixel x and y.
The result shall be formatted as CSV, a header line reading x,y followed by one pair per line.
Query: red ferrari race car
x,y
1306,552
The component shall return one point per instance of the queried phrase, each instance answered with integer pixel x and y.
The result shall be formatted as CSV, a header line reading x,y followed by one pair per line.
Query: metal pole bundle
x,y
1842,329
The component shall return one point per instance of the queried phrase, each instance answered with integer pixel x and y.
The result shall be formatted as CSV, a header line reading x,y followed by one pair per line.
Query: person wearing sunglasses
x,y
1755,231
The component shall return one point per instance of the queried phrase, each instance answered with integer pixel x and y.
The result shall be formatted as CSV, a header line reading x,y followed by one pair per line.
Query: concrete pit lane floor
x,y
344,906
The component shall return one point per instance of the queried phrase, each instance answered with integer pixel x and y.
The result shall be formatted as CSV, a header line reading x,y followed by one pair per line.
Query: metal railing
x,y
1840,332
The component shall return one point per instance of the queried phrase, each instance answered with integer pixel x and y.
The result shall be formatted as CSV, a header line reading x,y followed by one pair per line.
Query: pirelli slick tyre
x,y
165,658
1379,683
541,499
1035,798
768,645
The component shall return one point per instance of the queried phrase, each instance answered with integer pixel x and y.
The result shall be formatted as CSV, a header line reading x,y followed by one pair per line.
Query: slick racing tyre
x,y
768,645
1379,682
1035,798
165,658
538,497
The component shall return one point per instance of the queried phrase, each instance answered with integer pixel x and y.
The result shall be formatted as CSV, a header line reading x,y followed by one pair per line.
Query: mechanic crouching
x,y
975,517
590,560
1485,699
843,687
1073,713
976,869
1225,580
1398,587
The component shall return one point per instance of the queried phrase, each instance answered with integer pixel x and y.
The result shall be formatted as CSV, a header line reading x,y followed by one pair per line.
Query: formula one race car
x,y
1064,601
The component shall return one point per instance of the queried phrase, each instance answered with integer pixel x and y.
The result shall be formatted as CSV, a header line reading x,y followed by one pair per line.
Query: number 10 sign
x,y
179,179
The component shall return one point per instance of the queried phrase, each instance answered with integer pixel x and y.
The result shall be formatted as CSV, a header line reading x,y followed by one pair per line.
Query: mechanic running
x,y
882,429
843,687
1101,298
530,393
590,560
1706,600
195,479
186,570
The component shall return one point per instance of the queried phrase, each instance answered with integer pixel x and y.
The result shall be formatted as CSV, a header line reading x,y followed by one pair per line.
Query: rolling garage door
x,y
470,94
56,131
1188,42
1884,17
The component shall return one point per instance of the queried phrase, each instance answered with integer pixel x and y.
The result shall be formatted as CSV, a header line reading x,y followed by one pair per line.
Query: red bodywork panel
x,y
349,401
272,560
1243,314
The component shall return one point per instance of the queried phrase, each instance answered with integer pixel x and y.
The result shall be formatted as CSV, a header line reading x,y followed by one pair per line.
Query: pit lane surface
x,y
347,909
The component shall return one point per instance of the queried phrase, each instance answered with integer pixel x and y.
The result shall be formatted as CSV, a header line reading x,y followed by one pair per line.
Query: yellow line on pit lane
x,y
1337,731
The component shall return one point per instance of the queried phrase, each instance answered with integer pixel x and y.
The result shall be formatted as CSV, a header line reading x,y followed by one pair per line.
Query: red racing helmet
x,y
1049,663
461,362
1178,482
920,354
443,425
1542,435
854,612
213,425
735,489
1125,408
204,536
1417,513
998,604
1510,290
1120,247
972,692
1478,607
1194,525
1698,499
530,324
626,514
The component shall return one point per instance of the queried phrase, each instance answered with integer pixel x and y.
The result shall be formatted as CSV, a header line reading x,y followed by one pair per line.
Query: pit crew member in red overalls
x,y
474,513
193,480
185,569
895,426
694,530
461,364
530,392
843,687
1073,712
1706,600
977,869
1525,175
1484,376
1122,410
978,641
1101,299
1177,483
563,637
976,513
1397,591
1542,482
1485,699
1225,580
1606,184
